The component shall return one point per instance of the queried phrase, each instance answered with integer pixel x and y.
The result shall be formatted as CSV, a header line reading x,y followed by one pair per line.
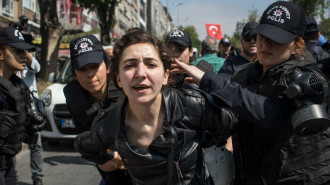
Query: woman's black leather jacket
x,y
176,156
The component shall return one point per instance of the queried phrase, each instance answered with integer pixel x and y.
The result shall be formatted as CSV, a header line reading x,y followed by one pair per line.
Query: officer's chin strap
x,y
263,180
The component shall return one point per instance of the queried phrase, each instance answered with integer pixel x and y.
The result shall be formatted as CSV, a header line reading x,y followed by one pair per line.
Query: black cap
x,y
311,25
179,36
281,22
85,50
248,28
225,41
14,38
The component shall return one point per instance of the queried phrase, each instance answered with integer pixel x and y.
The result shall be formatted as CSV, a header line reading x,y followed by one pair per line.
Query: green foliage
x,y
193,35
253,15
324,27
313,8
92,5
317,8
105,9
68,38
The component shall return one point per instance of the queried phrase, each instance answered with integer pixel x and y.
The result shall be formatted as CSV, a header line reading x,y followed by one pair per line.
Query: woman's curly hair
x,y
135,36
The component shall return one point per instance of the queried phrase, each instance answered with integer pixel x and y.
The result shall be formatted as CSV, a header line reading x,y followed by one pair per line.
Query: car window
x,y
66,74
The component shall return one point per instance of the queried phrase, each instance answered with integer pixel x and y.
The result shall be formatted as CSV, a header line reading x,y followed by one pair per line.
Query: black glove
x,y
31,138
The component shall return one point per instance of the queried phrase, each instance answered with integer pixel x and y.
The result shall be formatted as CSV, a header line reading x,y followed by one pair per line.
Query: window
x,y
8,7
30,4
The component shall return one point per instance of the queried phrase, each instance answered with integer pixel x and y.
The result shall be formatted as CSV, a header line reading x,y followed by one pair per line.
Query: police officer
x,y
249,50
91,90
14,101
179,45
273,145
311,37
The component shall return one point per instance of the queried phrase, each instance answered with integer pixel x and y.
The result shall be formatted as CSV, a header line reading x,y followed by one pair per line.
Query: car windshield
x,y
66,74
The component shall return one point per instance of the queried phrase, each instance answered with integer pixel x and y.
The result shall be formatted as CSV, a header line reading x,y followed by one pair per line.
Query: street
x,y
62,166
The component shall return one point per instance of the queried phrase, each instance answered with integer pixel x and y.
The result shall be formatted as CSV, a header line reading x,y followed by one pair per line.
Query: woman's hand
x,y
114,164
195,73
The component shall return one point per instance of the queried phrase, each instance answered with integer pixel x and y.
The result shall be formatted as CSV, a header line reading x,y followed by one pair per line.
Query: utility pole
x,y
177,9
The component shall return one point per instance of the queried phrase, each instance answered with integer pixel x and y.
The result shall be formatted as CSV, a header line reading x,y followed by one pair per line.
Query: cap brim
x,y
181,42
247,33
22,45
225,43
95,57
274,33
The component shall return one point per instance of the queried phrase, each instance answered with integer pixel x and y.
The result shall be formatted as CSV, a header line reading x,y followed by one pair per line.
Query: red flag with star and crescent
x,y
214,30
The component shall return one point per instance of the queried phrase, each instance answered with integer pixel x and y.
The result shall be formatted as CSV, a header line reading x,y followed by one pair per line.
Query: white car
x,y
59,120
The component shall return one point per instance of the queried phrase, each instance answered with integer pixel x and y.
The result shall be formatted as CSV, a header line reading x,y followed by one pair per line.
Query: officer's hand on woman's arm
x,y
114,164
191,70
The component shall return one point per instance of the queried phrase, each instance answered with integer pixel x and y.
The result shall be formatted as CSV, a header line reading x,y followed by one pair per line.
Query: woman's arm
x,y
262,111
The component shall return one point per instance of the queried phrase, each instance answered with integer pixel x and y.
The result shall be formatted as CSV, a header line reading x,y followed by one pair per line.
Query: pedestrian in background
x,y
209,55
36,150
226,50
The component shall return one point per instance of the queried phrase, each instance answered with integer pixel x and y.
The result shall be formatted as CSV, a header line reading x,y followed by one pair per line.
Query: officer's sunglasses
x,y
248,37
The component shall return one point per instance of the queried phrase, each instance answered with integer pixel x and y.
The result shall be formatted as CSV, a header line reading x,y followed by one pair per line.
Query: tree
x,y
313,8
51,31
105,9
253,15
324,27
317,8
193,35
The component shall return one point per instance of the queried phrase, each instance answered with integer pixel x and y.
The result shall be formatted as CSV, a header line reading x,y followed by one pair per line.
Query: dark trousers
x,y
7,171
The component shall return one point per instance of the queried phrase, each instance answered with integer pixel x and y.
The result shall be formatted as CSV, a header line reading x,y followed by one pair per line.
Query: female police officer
x,y
14,102
91,90
274,143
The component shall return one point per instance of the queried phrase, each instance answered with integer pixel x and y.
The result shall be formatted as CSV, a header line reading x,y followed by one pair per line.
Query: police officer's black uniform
x,y
83,112
265,149
13,111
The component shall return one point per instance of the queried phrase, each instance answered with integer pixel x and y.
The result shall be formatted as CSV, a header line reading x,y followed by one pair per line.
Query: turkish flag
x,y
214,30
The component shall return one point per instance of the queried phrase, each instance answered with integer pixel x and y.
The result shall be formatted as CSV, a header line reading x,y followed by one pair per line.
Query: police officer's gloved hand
x,y
31,138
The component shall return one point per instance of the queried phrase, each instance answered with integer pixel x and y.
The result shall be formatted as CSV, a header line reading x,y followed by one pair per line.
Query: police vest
x,y
17,90
81,107
276,156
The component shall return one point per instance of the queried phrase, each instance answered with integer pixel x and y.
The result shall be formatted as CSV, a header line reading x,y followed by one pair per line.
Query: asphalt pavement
x,y
62,166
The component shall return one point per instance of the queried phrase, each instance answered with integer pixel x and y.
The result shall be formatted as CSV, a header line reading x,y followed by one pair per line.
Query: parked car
x,y
59,120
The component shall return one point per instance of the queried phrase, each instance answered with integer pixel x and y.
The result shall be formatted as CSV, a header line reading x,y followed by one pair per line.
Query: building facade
x,y
159,21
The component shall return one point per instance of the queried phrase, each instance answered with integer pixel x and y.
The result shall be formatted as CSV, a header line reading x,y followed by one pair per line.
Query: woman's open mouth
x,y
140,87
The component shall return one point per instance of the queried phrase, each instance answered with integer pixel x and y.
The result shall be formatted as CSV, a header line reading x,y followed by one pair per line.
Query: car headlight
x,y
46,97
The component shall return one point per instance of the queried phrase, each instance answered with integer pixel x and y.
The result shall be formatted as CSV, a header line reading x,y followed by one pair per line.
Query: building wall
x,y
158,20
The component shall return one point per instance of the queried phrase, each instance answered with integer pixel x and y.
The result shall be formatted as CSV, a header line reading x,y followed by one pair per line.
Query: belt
x,y
4,160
